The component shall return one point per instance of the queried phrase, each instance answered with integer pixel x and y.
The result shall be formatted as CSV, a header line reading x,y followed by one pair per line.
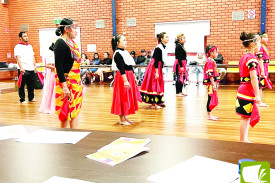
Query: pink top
x,y
210,70
248,63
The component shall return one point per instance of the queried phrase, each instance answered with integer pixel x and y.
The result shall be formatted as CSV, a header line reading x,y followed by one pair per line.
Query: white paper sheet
x,y
54,137
198,169
56,179
14,131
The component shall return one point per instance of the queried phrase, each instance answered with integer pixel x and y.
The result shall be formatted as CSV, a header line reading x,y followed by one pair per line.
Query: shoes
x,y
33,100
24,102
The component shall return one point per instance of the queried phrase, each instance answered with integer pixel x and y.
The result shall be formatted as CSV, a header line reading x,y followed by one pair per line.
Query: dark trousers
x,y
179,84
208,103
27,78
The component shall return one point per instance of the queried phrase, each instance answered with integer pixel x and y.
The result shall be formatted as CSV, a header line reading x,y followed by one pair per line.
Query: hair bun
x,y
243,36
58,31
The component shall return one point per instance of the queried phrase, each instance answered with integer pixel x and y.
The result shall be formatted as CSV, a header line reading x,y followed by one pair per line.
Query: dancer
x,y
211,77
263,63
47,105
152,88
125,93
180,65
248,93
68,82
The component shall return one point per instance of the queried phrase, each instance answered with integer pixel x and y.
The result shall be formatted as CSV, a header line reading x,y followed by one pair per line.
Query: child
x,y
263,63
248,92
211,77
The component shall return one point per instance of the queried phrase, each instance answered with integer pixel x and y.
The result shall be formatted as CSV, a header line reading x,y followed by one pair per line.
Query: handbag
x,y
64,111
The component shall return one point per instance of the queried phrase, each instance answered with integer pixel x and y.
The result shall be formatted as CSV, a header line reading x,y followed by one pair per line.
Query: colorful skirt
x,y
245,100
74,84
152,89
125,101
47,105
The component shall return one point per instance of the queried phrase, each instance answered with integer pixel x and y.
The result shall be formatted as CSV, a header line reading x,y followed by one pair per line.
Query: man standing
x,y
23,53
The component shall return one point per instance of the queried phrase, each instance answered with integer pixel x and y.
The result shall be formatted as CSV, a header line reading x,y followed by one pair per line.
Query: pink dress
x,y
48,100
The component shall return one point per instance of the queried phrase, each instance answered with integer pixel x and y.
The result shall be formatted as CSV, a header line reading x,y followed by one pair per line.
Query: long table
x,y
35,163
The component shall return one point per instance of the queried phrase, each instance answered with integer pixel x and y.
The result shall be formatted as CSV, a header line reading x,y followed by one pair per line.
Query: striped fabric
x,y
74,84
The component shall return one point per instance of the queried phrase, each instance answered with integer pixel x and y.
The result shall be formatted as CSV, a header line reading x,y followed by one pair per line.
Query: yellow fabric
x,y
74,84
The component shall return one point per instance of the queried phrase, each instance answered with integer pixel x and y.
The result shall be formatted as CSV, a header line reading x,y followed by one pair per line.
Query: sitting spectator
x,y
198,69
141,58
95,61
222,71
84,61
100,71
106,60
133,54
148,57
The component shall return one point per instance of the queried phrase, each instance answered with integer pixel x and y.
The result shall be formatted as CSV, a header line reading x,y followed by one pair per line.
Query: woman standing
x,y
248,92
47,105
180,64
152,88
68,82
125,92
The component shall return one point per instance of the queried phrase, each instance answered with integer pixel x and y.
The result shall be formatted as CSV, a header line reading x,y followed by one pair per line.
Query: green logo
x,y
255,172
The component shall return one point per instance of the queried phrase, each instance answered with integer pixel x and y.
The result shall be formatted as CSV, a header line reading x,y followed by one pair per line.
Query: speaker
x,y
5,1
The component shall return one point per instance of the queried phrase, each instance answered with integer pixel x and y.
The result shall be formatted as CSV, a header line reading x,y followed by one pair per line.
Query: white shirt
x,y
128,59
26,54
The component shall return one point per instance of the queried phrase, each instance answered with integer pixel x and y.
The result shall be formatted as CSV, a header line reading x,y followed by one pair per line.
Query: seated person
x,y
133,54
222,71
148,57
106,60
95,61
100,71
84,61
198,69
141,58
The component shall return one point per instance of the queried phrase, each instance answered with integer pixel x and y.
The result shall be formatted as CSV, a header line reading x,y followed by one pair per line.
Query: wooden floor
x,y
183,116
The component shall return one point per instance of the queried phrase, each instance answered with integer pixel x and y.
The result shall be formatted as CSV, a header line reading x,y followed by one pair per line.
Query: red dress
x,y
246,94
264,54
152,90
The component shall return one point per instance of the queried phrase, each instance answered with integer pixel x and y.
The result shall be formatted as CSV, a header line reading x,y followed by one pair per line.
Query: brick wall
x,y
224,32
40,14
4,33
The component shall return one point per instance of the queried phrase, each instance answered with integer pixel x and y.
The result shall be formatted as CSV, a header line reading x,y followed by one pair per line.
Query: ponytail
x,y
115,41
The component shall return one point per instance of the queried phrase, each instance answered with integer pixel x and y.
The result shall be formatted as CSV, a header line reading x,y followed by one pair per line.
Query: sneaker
x,y
24,102
33,100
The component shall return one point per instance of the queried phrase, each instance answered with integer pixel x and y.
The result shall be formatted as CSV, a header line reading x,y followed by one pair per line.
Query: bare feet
x,y
263,105
128,120
214,118
126,123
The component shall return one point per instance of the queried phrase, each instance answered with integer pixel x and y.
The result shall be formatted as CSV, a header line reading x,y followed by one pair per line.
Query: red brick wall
x,y
4,34
224,32
41,14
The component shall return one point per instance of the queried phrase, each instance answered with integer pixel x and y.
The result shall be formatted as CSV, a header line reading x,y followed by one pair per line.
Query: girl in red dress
x,y
263,63
211,78
126,93
152,88
248,92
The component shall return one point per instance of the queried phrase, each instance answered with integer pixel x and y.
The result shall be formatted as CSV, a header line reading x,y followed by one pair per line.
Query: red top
x,y
248,63
265,52
210,70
